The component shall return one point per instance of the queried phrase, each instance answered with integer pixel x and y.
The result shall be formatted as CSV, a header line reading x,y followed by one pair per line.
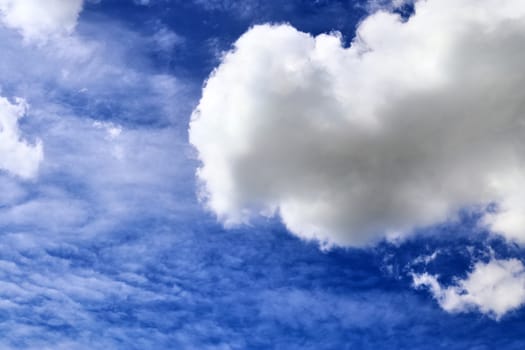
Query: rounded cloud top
x,y
414,121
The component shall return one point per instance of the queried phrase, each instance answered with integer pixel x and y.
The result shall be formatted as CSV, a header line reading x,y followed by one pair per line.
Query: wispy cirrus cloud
x,y
82,87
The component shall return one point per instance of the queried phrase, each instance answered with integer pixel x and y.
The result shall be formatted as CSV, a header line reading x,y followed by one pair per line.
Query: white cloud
x,y
37,19
17,156
493,288
414,121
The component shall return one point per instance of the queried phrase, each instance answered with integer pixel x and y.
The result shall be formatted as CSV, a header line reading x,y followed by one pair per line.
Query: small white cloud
x,y
39,20
492,288
426,259
17,156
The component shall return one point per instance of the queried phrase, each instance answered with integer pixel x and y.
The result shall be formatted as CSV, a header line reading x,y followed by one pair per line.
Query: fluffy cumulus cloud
x,y
493,288
17,156
412,122
37,19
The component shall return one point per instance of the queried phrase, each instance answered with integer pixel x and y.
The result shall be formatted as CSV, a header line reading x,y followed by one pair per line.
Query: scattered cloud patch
x,y
166,39
492,288
17,156
38,20
417,119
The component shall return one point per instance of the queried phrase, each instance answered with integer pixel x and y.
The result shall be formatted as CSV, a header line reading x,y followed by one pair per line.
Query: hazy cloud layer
x,y
494,288
414,121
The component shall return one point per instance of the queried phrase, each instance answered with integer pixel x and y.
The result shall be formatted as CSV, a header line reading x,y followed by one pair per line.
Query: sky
x,y
300,174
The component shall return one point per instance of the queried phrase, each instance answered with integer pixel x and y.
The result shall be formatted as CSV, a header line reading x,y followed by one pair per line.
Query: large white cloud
x,y
38,19
414,121
493,288
17,156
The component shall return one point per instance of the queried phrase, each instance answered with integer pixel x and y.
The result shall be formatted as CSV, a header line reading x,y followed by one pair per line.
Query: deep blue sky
x,y
159,272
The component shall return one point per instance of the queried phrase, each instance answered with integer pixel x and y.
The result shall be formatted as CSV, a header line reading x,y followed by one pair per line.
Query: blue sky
x,y
347,175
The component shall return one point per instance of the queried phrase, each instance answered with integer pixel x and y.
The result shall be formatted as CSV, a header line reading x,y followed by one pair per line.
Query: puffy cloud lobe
x,y
17,156
414,121
38,20
493,288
